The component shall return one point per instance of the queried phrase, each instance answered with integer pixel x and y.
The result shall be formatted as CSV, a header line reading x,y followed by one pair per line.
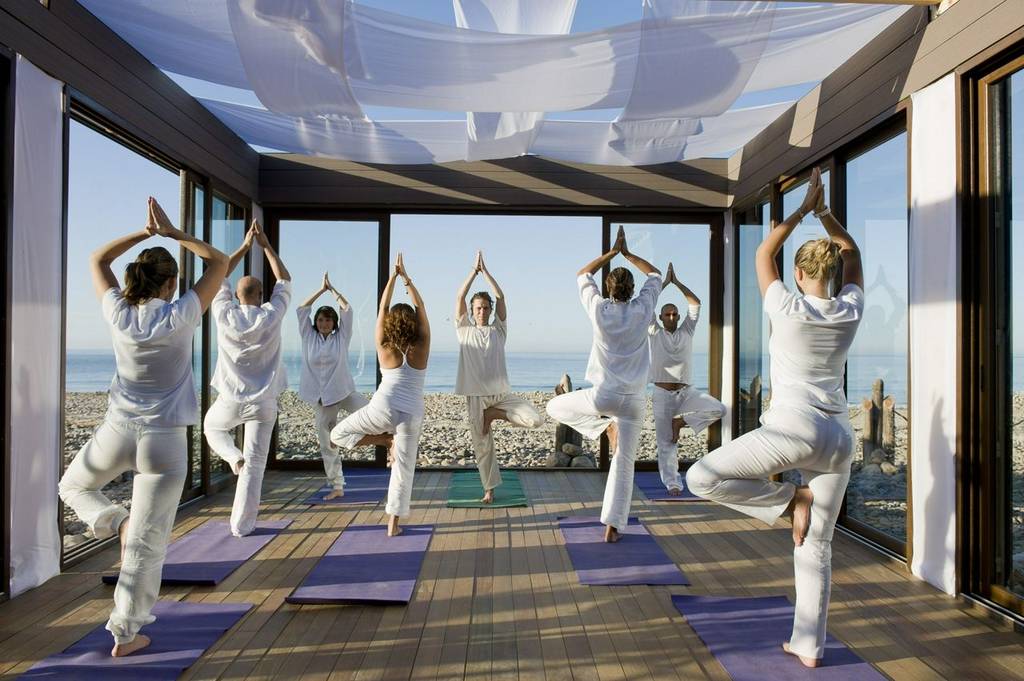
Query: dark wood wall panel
x,y
527,182
72,45
905,58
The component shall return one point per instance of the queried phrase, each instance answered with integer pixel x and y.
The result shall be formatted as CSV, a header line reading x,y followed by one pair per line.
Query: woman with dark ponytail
x,y
807,426
152,400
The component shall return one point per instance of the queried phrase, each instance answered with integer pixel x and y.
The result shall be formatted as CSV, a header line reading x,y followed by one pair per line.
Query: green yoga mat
x,y
466,491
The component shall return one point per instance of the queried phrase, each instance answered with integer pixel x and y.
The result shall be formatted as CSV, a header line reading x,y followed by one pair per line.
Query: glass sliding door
x,y
108,185
751,323
877,369
534,259
695,251
194,222
348,251
997,495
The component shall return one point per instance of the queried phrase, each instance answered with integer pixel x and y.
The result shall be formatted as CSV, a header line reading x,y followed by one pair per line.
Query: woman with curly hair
x,y
394,416
152,400
807,427
326,382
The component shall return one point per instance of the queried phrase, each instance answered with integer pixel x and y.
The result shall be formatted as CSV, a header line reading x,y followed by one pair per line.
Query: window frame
x,y
7,91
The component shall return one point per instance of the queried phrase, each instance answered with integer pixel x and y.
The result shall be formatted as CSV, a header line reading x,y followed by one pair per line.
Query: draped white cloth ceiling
x,y
675,75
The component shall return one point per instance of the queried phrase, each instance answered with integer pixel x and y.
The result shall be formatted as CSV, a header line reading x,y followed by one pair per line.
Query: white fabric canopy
x,y
318,63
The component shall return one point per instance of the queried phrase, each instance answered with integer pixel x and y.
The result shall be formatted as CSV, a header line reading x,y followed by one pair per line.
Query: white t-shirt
x,y
482,369
619,358
325,375
153,384
672,353
809,340
249,365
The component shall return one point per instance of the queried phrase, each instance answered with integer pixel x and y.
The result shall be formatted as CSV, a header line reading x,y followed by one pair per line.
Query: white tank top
x,y
401,389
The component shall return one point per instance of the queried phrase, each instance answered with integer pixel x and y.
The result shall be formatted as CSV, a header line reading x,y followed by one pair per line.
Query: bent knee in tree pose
x,y
326,382
807,426
618,367
676,401
152,400
394,416
482,375
249,376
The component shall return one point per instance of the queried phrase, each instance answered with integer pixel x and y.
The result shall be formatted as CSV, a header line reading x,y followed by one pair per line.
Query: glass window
x,y
752,324
534,259
877,367
348,251
688,248
198,229
108,185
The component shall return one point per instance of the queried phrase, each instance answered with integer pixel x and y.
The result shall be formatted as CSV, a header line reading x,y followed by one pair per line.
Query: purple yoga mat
x,y
181,634
746,635
649,482
362,486
365,565
209,553
635,559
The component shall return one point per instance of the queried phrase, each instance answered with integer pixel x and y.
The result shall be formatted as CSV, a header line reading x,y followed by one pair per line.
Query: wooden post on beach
x,y
889,425
871,411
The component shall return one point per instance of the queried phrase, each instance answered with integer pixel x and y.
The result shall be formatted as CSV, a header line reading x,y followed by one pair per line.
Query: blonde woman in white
x,y
807,426
151,402
249,376
394,416
482,375
618,367
326,382
676,402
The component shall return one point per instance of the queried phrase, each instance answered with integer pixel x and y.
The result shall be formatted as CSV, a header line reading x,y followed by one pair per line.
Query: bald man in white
x,y
483,376
249,376
676,402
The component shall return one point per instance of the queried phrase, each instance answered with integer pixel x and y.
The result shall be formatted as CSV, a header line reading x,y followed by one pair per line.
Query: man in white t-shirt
x,y
483,377
249,376
676,401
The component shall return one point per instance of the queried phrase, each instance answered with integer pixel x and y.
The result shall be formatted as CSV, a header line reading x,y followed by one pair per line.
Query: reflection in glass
x,y
107,190
688,248
534,260
348,250
877,368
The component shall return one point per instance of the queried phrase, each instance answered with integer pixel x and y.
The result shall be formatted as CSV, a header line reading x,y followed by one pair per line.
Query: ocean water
x,y
90,371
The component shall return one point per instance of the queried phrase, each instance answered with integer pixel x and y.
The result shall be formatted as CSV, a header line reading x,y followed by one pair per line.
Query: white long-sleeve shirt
x,y
619,357
153,384
325,374
672,353
249,365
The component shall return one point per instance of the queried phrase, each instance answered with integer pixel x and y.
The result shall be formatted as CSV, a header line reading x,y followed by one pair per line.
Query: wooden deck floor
x,y
497,599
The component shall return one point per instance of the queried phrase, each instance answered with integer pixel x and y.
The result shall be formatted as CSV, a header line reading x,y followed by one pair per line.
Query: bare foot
x,y
122,535
675,492
613,438
677,425
236,466
488,497
811,662
611,535
801,510
393,529
334,494
138,643
391,452
489,417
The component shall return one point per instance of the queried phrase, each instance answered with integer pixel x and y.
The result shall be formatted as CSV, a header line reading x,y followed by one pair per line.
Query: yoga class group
x,y
152,397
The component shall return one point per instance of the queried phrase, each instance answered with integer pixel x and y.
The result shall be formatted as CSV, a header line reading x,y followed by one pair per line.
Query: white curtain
x,y
35,327
934,331
508,63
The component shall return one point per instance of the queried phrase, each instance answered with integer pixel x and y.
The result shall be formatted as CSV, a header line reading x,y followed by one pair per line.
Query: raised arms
x,y
671,278
216,263
237,256
853,269
273,259
619,247
460,297
499,296
764,258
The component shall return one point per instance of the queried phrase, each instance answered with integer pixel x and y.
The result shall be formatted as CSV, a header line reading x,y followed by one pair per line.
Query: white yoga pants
x,y
820,446
326,419
373,419
218,426
518,412
590,412
698,409
159,457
